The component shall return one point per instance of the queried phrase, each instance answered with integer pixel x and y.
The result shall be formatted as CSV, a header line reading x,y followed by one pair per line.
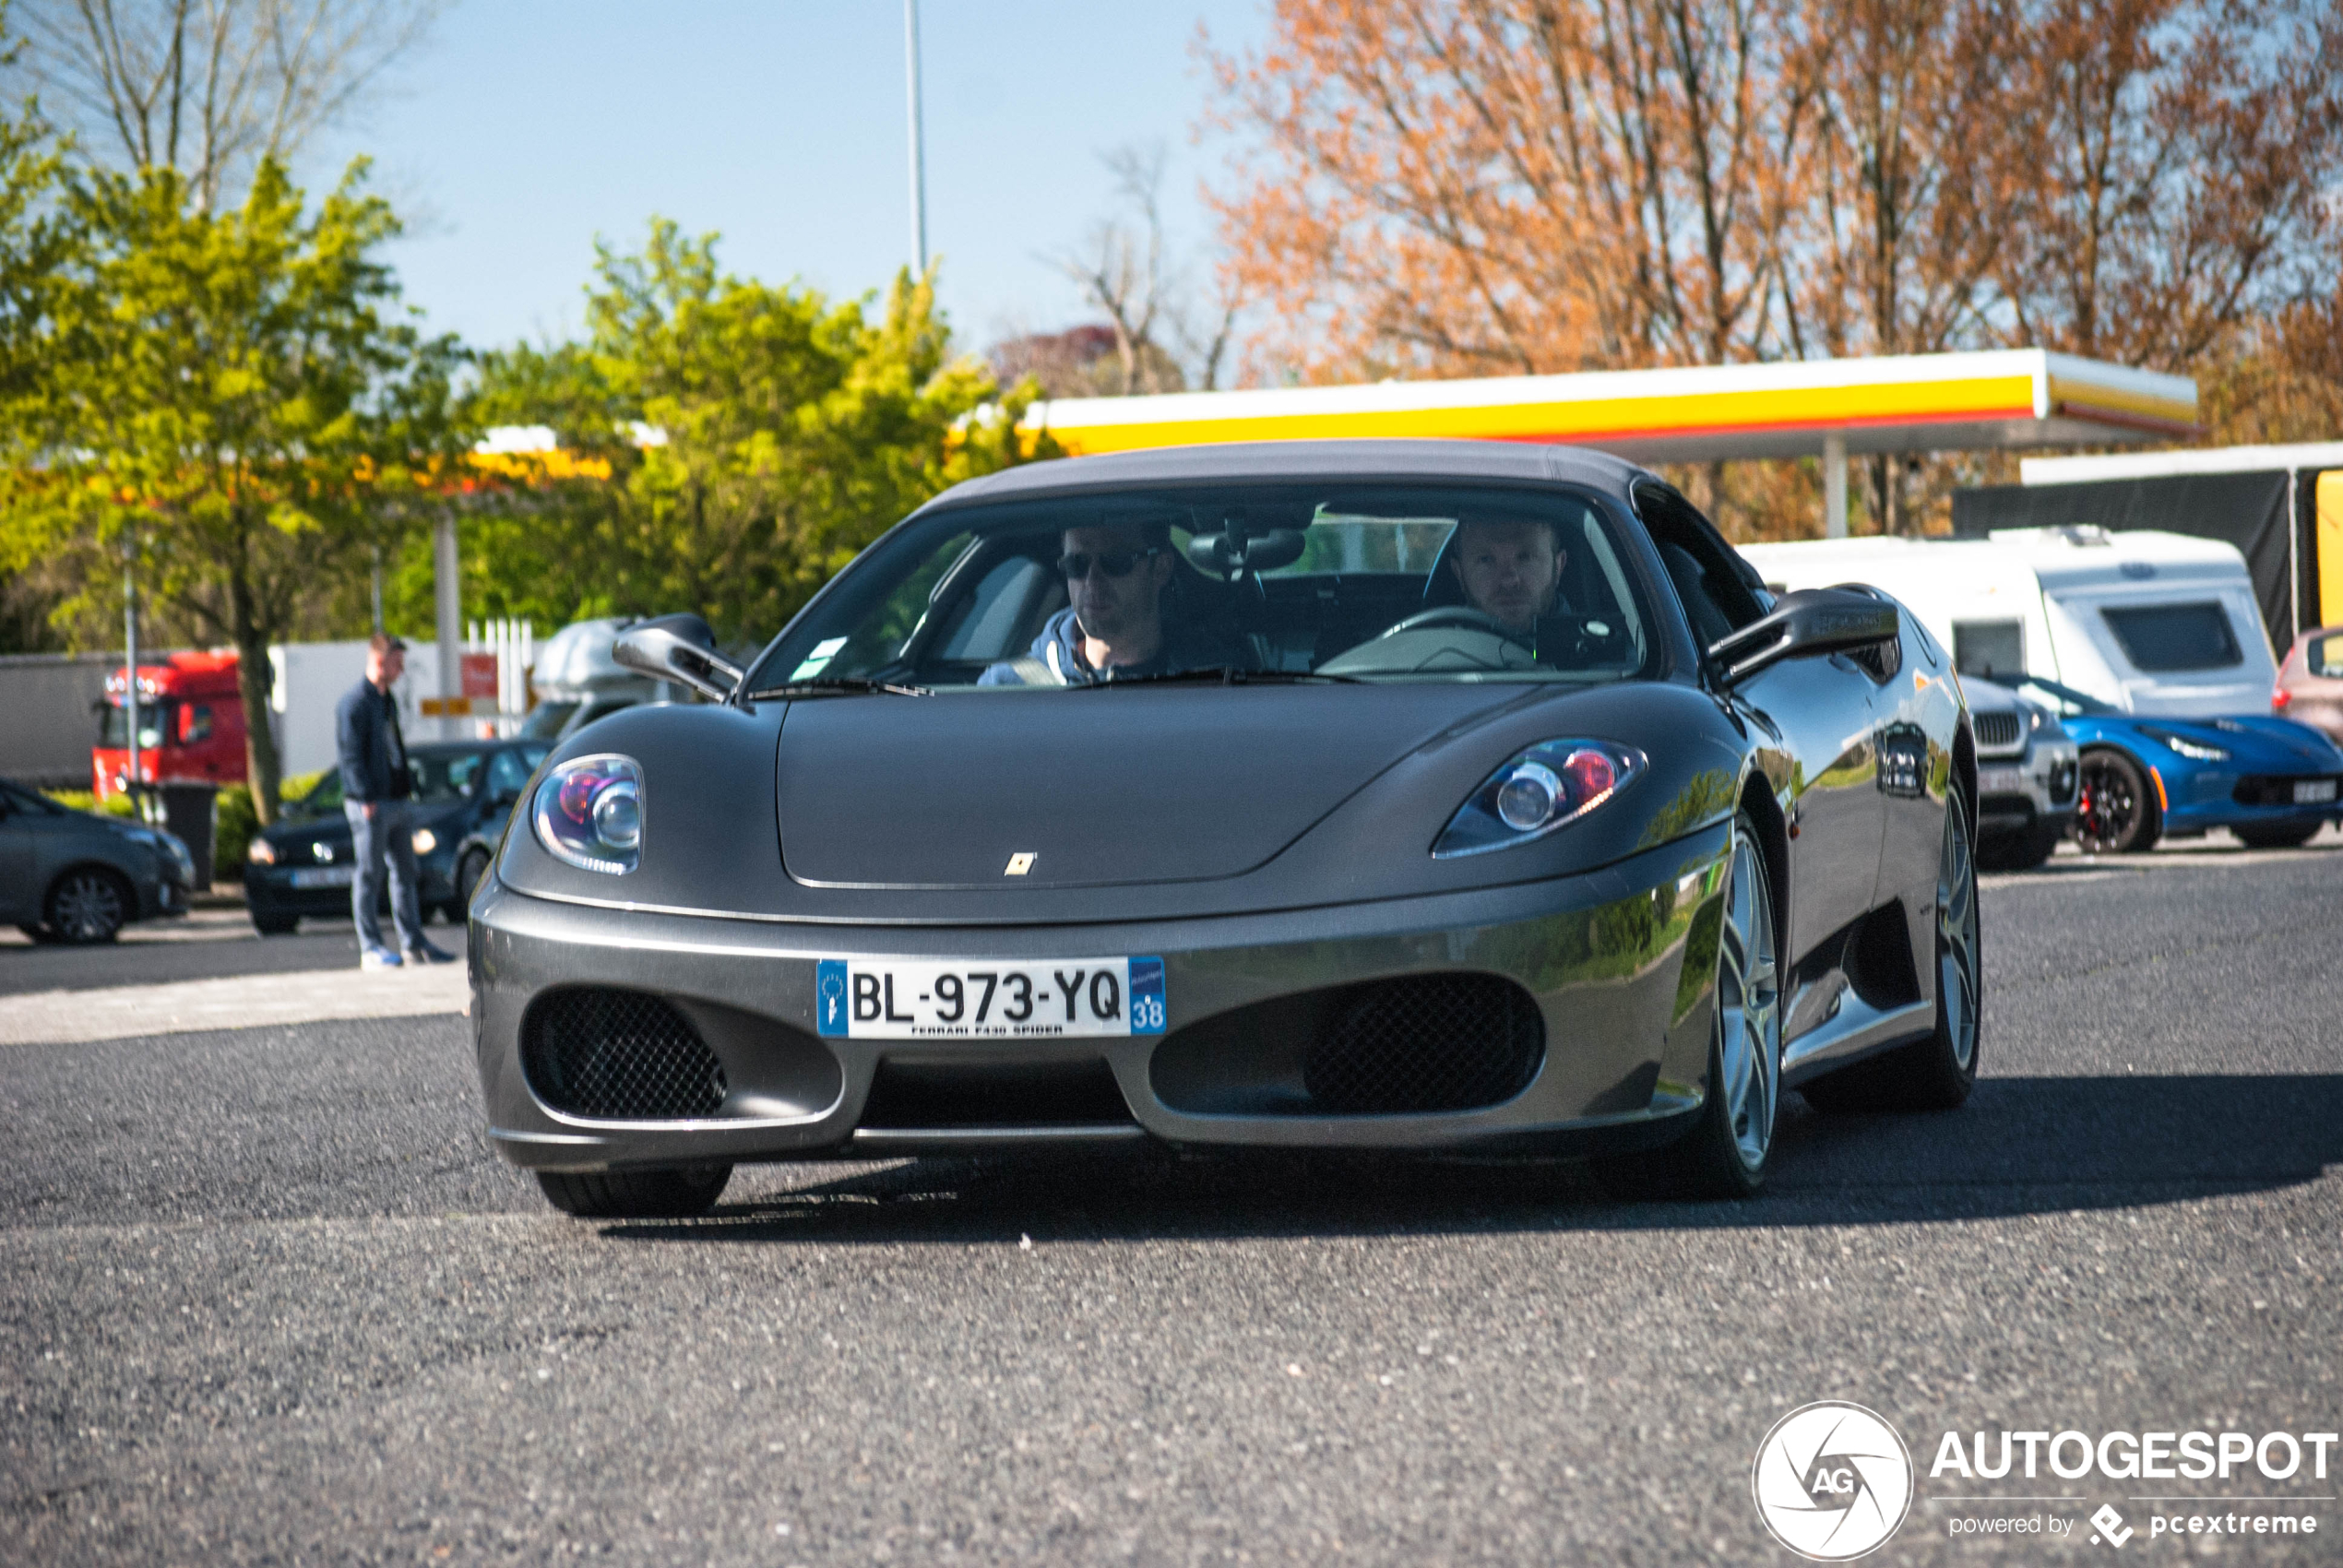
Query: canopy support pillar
x,y
1833,485
448,591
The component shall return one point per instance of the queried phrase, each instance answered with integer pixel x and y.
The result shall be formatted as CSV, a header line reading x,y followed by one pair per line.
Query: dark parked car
x,y
1355,865
464,790
70,877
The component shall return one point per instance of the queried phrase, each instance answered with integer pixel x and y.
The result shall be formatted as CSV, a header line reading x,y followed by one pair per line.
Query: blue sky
x,y
522,129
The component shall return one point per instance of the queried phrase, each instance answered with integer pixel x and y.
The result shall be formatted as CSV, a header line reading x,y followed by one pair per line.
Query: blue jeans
x,y
385,837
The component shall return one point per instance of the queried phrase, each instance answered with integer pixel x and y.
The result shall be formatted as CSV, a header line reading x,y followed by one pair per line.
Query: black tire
x,y
677,1193
88,905
2116,811
469,871
2292,836
1729,1148
2019,851
275,925
1938,1072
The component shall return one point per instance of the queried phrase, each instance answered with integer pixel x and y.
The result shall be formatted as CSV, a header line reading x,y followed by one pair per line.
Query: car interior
x,y
1336,585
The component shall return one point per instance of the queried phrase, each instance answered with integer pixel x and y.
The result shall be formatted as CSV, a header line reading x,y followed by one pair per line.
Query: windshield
x,y
1347,582
155,717
2064,701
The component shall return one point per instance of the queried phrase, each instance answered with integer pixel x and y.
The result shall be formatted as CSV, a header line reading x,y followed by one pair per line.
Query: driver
x,y
1114,626
1510,572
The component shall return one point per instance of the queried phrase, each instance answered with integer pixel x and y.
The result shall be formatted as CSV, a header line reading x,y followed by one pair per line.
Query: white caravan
x,y
2152,623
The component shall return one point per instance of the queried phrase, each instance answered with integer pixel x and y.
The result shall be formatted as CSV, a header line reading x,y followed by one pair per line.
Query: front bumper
x,y
2218,796
2038,787
1620,962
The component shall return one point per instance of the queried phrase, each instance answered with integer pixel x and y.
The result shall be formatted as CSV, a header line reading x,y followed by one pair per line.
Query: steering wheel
x,y
1461,615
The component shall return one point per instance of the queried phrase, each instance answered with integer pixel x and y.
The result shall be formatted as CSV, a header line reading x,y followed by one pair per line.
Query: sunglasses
x,y
1114,563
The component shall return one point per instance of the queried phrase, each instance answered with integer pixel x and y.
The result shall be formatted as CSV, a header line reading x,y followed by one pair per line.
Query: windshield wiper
x,y
837,686
1226,675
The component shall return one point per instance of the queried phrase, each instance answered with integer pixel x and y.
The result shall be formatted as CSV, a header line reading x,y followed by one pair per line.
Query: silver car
x,y
2025,778
69,876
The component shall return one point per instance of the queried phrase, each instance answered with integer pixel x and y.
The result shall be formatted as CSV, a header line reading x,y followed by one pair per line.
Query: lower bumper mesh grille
x,y
1426,1042
618,1056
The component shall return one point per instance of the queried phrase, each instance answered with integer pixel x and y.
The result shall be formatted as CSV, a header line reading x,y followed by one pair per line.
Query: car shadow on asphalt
x,y
2021,1146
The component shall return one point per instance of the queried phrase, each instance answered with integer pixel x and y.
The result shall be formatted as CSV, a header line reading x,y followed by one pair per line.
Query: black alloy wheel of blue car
x,y
1727,1152
2115,814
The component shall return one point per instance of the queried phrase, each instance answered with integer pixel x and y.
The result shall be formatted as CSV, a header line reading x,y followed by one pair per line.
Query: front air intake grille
x,y
618,1056
1997,730
1427,1042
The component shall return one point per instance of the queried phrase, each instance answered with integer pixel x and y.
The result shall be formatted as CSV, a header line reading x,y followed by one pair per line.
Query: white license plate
x,y
2312,791
2001,781
964,999
325,876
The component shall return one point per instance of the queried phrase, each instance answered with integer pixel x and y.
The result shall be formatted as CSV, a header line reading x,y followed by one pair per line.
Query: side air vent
x,y
1426,1042
618,1056
1996,732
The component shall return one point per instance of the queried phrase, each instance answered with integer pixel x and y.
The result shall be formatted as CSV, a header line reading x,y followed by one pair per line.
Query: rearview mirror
x,y
1810,621
678,648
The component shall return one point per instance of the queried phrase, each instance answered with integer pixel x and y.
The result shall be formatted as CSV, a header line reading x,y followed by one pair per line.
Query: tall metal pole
x,y
1834,485
447,590
919,143
130,659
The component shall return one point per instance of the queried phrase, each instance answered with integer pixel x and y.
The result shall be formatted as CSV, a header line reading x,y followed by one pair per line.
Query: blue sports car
x,y
2270,781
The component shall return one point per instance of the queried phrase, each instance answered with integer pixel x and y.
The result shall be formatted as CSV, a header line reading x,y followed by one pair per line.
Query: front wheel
x,y
2116,813
1727,1152
87,905
676,1193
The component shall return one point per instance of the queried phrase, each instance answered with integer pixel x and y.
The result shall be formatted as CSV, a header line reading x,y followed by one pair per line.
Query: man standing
x,y
374,786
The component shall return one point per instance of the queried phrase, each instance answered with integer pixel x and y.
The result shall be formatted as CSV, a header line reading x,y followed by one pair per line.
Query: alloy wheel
x,y
85,907
2107,811
1957,971
1749,1009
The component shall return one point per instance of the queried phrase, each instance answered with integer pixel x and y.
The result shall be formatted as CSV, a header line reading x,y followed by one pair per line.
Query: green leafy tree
x,y
238,397
726,445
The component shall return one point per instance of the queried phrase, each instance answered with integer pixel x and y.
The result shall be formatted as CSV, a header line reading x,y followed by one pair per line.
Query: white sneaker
x,y
379,959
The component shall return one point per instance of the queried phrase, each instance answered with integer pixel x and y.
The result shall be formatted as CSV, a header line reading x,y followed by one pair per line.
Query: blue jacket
x,y
372,751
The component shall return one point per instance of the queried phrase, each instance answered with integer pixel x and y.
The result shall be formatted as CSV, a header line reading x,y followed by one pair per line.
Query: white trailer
x,y
2152,623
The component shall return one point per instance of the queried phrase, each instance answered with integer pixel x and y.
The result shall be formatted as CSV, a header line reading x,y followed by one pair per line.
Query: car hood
x,y
1099,786
335,829
2253,740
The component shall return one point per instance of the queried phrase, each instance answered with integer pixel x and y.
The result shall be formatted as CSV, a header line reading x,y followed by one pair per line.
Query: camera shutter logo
x,y
1833,1482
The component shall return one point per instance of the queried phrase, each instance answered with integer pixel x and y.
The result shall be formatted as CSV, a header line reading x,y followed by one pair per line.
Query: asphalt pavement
x,y
269,1297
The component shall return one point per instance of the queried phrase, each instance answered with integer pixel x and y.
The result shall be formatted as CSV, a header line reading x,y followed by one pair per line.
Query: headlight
x,y
176,848
1545,787
589,813
261,852
426,841
2196,751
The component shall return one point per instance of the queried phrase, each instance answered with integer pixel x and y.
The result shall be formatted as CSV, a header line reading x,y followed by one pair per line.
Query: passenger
x,y
1114,626
1511,571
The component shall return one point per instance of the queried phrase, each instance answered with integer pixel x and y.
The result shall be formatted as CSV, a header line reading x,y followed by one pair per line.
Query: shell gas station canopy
x,y
1826,408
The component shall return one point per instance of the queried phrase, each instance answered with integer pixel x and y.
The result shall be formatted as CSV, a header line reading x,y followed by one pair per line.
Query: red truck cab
x,y
191,725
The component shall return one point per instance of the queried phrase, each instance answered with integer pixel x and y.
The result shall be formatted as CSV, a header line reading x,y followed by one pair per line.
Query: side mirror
x,y
1810,621
678,648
